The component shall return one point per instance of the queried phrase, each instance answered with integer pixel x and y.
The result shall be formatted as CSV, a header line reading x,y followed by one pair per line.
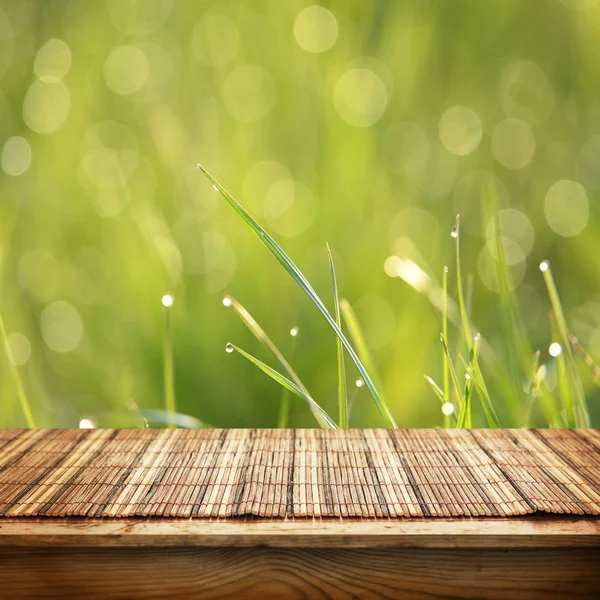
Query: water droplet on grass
x,y
227,301
229,348
359,383
448,408
544,266
167,300
454,232
294,331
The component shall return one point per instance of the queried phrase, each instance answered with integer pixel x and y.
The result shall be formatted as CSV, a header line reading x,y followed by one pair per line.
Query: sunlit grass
x,y
455,393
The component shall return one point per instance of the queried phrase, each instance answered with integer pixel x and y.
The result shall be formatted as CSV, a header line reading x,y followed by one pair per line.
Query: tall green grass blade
x,y
168,373
580,410
342,392
283,259
534,387
464,417
453,374
358,339
586,357
436,388
479,381
322,417
446,391
22,396
285,402
464,316
266,341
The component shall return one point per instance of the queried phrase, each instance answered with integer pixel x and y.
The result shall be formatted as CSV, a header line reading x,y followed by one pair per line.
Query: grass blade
x,y
342,392
464,317
358,339
475,372
534,386
580,410
15,373
283,259
453,375
264,339
446,391
169,377
322,417
586,357
284,405
436,388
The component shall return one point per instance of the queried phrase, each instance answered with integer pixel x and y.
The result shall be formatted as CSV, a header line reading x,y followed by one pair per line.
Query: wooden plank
x,y
518,532
269,573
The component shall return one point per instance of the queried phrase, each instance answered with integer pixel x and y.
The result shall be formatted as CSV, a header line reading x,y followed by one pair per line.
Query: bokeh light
x,y
46,106
566,208
20,348
62,327
126,70
513,143
16,156
216,40
460,130
53,61
526,93
249,93
360,97
315,29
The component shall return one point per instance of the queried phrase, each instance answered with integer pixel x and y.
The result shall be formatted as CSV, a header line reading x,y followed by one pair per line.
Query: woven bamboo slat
x,y
373,473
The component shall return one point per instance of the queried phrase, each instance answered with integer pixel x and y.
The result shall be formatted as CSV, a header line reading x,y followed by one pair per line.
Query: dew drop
x,y
544,266
229,348
227,301
167,300
467,376
555,350
215,188
359,383
454,232
294,331
447,408
446,270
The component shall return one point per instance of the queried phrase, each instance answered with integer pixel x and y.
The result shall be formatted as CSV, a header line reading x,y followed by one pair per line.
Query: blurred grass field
x,y
365,125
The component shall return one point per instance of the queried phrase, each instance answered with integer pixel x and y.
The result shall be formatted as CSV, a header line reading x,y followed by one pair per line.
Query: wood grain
x,y
518,532
269,573
367,473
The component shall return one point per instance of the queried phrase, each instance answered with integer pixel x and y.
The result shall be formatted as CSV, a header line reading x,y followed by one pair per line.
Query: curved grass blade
x,y
17,378
322,417
342,392
436,388
299,278
573,381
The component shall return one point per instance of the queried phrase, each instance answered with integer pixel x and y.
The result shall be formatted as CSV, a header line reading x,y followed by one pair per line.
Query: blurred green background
x,y
367,125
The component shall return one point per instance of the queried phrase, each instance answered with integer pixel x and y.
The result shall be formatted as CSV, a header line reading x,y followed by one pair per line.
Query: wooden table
x,y
501,558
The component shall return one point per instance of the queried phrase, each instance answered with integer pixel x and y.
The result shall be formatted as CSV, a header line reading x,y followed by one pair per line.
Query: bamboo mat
x,y
298,473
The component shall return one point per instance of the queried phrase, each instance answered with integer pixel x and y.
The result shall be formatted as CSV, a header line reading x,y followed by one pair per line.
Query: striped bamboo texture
x,y
298,473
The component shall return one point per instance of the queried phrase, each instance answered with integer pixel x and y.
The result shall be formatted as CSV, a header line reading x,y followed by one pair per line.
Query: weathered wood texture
x,y
269,573
300,473
536,531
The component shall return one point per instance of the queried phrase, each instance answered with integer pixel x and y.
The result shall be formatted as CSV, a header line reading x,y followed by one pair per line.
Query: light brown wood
x,y
269,573
518,532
